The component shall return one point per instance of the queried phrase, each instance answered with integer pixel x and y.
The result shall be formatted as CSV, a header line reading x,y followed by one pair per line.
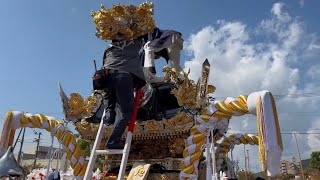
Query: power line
x,y
295,95
284,129
254,132
281,113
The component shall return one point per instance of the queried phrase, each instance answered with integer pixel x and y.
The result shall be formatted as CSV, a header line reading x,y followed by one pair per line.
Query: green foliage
x,y
311,173
243,175
315,160
85,147
283,177
100,161
224,165
29,167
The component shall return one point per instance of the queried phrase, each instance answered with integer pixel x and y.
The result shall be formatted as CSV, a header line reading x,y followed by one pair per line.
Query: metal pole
x,y
21,145
248,164
36,156
50,156
295,136
233,175
14,146
59,157
245,162
213,157
208,164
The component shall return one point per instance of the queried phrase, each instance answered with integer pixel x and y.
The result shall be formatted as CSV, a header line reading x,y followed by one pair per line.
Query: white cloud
x,y
301,3
314,46
271,57
314,72
277,11
313,137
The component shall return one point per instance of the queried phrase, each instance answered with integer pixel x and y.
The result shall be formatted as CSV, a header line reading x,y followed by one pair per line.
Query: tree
x,y
315,160
85,147
29,167
224,165
283,177
243,175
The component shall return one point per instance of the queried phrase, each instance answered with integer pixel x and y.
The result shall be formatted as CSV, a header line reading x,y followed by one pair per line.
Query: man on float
x,y
122,61
161,43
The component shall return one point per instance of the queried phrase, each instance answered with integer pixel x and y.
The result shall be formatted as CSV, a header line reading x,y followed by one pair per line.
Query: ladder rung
x,y
110,151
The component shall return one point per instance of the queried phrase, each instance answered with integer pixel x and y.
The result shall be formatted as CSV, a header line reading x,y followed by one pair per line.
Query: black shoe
x,y
114,146
92,119
109,123
152,70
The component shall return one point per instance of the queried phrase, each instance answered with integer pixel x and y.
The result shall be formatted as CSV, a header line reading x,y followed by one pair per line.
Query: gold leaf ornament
x,y
80,107
123,21
176,146
211,88
186,93
178,120
152,125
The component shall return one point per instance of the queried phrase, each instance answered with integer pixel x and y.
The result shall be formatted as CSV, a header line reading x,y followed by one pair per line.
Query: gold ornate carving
x,y
85,127
178,120
211,88
137,127
176,146
165,176
152,129
80,107
188,94
149,149
124,21
153,125
173,75
186,91
203,85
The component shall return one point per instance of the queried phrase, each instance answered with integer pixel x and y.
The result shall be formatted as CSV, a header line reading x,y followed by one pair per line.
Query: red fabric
x,y
139,93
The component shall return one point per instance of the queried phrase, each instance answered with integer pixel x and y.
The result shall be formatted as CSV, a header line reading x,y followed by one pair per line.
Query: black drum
x,y
158,102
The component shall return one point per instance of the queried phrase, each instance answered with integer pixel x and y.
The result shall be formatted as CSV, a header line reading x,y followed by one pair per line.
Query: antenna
x,y
95,65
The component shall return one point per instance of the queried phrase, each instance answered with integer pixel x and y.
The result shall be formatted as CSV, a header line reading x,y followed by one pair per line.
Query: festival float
x,y
179,123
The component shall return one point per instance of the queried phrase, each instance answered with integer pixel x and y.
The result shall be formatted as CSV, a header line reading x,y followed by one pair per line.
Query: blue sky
x,y
43,42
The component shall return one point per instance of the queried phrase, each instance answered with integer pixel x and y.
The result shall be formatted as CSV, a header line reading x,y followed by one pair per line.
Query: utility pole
x,y
21,144
248,164
245,162
233,164
38,142
295,136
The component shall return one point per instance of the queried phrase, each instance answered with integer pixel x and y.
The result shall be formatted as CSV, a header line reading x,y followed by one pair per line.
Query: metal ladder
x,y
124,152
